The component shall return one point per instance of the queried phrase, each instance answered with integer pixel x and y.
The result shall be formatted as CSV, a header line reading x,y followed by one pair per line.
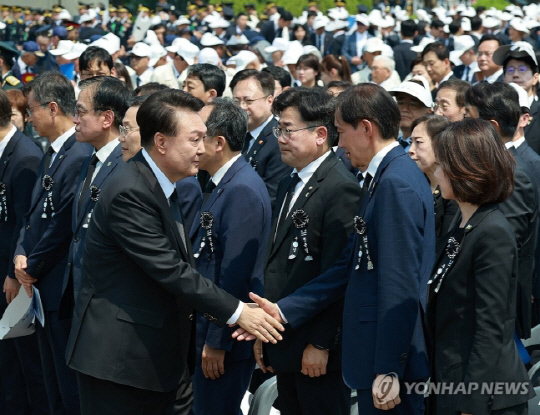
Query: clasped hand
x,y
21,275
258,323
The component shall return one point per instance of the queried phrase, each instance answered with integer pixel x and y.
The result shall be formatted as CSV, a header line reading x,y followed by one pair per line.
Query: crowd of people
x,y
204,201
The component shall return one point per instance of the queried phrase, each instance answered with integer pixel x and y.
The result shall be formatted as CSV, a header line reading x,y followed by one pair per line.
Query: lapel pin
x,y
468,228
307,194
61,155
310,187
260,141
255,152
108,164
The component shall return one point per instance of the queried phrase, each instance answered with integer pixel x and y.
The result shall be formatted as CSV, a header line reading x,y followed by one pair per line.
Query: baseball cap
x,y
522,94
421,92
242,59
209,55
33,47
188,51
277,44
64,46
208,39
141,50
461,45
158,52
517,50
422,45
374,44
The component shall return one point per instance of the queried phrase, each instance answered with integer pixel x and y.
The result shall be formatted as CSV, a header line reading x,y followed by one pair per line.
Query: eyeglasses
x,y
124,131
248,102
29,110
79,112
286,133
520,69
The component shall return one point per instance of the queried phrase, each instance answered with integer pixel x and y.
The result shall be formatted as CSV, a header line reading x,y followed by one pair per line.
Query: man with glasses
x,y
41,253
489,70
97,121
312,220
253,91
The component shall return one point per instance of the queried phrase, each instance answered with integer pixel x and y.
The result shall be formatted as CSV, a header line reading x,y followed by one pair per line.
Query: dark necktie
x,y
365,186
467,73
210,186
290,193
247,140
87,181
47,160
177,215
138,80
403,142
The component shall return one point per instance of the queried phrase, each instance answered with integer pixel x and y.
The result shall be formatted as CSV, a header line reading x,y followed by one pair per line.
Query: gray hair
x,y
386,62
53,87
228,120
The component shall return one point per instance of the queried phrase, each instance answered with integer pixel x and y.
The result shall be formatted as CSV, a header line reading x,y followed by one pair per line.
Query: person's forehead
x,y
431,56
247,85
517,61
488,45
96,65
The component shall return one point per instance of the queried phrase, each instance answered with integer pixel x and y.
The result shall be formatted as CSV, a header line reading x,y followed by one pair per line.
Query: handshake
x,y
259,320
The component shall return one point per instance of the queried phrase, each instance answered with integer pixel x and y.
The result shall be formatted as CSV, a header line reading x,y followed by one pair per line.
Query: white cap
x,y
374,44
466,24
468,12
522,94
142,50
517,12
188,51
387,22
461,45
423,93
88,16
64,15
76,50
209,55
310,49
238,40
176,44
293,52
218,23
505,16
461,8
64,46
423,43
277,44
113,41
158,52
519,25
362,18
490,22
208,39
242,59
151,38
181,21
423,15
517,50
320,21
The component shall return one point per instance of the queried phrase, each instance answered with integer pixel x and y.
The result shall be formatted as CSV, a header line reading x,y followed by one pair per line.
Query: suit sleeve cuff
x,y
282,315
234,318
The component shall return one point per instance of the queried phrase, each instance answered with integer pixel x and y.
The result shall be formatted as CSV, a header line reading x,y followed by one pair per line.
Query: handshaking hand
x,y
259,324
270,310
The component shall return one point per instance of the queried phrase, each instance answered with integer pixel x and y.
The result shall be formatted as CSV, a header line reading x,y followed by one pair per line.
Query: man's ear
x,y
495,125
160,143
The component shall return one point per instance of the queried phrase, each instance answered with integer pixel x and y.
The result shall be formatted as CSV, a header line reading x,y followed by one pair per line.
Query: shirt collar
x,y
495,76
308,171
104,152
518,142
255,133
218,176
407,41
60,141
5,141
378,158
509,144
164,182
447,77
176,73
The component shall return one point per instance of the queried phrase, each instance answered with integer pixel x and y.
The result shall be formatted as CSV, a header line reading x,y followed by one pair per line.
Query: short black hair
x,y
97,54
485,38
52,86
454,27
264,79
497,101
159,113
210,75
439,49
476,23
286,16
227,120
279,74
421,27
149,88
459,87
5,110
339,84
109,94
8,58
315,106
370,102
437,24
408,28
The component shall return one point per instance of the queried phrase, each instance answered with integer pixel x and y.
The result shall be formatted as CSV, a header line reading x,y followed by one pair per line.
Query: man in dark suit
x,y
499,104
308,361
384,270
354,44
100,129
274,28
41,254
22,386
138,280
436,59
489,70
229,251
532,129
320,38
403,55
253,91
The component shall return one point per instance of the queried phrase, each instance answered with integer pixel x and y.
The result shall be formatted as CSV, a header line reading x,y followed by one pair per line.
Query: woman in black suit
x,y
421,151
472,294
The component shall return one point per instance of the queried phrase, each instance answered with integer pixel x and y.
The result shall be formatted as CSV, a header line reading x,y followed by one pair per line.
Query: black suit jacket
x,y
265,157
330,199
334,44
269,32
458,72
404,56
328,38
19,166
139,288
472,318
532,131
521,211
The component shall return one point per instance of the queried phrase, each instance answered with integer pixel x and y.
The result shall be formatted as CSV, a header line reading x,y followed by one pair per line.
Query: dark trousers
x,y
103,397
184,397
301,395
223,395
411,403
522,409
60,381
22,387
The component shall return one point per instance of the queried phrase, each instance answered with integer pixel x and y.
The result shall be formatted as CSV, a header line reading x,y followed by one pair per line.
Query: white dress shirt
x,y
5,141
103,154
168,188
257,131
361,39
377,159
494,77
218,176
60,141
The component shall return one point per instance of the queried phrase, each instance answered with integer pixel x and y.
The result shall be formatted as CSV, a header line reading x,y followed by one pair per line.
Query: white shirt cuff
x,y
282,315
234,318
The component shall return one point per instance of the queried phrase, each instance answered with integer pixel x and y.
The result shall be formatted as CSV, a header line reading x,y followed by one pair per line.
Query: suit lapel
x,y
259,143
105,171
308,191
4,160
157,191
